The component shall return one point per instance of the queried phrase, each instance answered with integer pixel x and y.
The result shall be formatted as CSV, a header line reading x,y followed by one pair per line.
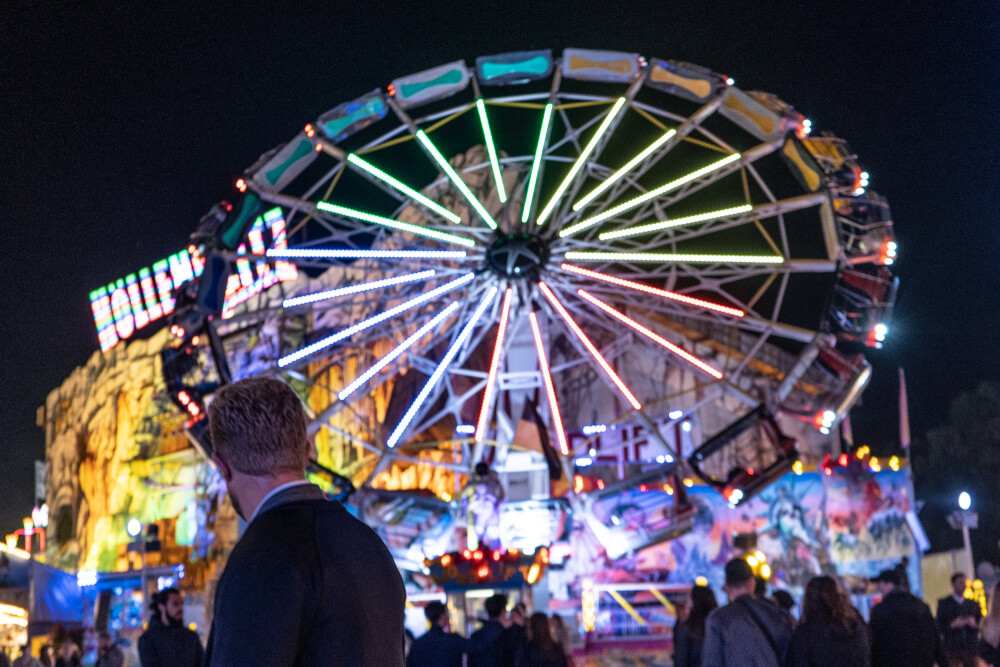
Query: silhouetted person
x,y
514,640
484,642
307,584
989,644
167,643
438,647
689,634
542,650
958,622
560,633
903,633
784,600
108,654
831,634
747,631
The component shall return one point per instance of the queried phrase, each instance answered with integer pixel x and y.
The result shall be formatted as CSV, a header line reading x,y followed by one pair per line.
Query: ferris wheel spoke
x,y
589,346
550,390
624,319
653,153
491,150
494,366
366,167
435,377
309,350
536,162
355,289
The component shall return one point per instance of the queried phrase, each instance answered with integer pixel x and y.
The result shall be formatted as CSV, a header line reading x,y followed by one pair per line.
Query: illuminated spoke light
x,y
624,319
672,257
397,351
491,148
652,194
682,298
372,321
355,289
368,167
628,166
584,155
550,391
575,328
441,367
350,253
676,222
494,365
395,224
536,164
456,179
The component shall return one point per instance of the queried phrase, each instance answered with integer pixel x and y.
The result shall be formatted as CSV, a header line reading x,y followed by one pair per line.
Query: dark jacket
x,y
903,633
484,644
535,658
307,584
963,638
169,646
513,646
822,644
436,648
687,647
734,637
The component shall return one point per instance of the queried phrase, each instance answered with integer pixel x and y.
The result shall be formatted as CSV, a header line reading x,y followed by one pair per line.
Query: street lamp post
x,y
965,519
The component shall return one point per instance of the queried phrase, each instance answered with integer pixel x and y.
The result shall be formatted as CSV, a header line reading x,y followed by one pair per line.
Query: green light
x,y
364,165
617,176
453,176
537,163
676,222
652,194
394,224
588,149
672,257
501,192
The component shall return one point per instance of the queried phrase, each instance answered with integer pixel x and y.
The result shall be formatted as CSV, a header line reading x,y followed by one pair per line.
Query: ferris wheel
x,y
596,238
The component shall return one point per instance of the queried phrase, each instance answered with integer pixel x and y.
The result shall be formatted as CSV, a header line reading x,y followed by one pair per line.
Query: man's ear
x,y
312,454
224,469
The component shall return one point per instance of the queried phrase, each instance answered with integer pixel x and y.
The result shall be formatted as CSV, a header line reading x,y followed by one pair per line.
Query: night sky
x,y
120,128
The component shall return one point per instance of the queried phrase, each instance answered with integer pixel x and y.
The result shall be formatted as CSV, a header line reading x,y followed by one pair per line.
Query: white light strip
x,y
494,366
441,368
494,162
584,155
680,352
372,321
355,289
455,179
672,257
550,389
676,222
399,350
349,253
652,194
367,166
617,176
419,230
536,164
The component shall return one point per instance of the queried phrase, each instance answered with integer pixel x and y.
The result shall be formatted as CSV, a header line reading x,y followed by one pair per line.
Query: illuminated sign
x,y
129,304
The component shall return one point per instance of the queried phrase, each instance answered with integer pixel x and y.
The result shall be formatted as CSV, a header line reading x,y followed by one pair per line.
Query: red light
x,y
496,555
483,571
545,555
466,554
577,484
177,331
310,131
477,554
241,185
392,90
194,409
226,205
643,488
319,148
446,560
196,340
183,397
842,460
600,484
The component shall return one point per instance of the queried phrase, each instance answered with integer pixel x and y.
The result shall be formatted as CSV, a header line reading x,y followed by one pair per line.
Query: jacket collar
x,y
290,494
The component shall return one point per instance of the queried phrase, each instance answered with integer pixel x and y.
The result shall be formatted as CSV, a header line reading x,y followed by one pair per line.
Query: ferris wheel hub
x,y
518,256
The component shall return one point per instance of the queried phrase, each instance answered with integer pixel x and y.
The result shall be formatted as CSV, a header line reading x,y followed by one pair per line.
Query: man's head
x,y
169,606
739,578
518,614
888,581
958,582
104,642
437,614
495,605
258,430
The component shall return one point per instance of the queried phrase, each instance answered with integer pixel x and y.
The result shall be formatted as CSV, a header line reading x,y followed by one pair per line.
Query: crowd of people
x,y
753,629
512,639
